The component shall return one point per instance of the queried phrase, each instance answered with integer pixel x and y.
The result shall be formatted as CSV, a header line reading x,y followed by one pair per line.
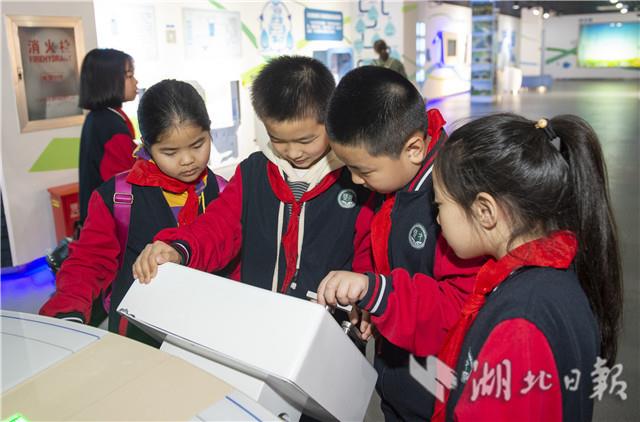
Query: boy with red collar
x,y
377,127
291,211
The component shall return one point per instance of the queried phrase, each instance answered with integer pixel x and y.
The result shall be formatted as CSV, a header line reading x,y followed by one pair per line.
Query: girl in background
x,y
534,196
106,144
170,184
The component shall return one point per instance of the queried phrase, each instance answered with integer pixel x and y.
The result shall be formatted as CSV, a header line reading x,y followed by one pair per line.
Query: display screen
x,y
611,44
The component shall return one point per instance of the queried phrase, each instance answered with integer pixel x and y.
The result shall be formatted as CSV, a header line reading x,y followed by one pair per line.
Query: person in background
x,y
385,60
170,185
107,79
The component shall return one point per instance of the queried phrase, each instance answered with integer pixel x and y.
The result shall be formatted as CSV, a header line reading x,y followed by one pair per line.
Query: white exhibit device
x,y
59,370
286,353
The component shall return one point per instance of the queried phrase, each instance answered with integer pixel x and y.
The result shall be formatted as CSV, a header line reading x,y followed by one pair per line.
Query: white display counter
x,y
59,370
288,354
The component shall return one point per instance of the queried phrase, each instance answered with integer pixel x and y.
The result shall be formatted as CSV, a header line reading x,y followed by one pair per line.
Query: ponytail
x,y
598,258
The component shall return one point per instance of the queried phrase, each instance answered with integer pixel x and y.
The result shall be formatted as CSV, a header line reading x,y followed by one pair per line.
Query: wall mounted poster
x,y
322,25
212,34
46,53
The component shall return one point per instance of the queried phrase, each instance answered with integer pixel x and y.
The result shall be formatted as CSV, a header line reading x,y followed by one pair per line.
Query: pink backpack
x,y
122,201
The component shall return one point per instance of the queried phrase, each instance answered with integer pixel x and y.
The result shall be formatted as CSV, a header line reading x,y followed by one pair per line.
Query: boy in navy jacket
x,y
377,126
291,211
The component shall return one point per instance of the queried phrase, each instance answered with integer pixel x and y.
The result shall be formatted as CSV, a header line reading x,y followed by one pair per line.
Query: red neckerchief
x,y
284,194
381,224
435,124
147,173
380,231
555,251
127,121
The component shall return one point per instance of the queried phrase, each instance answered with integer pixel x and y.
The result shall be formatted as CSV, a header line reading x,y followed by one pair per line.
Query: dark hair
x,y
292,88
380,45
544,189
102,78
376,108
167,104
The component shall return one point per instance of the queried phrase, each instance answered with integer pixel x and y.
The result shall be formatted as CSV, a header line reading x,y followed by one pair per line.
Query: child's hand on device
x,y
343,287
157,253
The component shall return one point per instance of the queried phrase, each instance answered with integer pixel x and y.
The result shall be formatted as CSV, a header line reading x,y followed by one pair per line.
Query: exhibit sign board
x,y
45,54
322,25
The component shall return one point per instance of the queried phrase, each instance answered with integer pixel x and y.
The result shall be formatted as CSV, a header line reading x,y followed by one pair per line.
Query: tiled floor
x,y
613,109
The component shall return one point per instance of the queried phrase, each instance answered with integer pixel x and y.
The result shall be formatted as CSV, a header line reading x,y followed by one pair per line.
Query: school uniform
x,y
417,288
93,264
106,149
529,319
290,231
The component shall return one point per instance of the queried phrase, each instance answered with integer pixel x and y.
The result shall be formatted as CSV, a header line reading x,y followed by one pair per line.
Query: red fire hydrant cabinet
x,y
66,209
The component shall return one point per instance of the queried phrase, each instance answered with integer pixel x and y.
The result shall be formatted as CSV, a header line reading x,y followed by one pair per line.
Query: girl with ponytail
x,y
533,195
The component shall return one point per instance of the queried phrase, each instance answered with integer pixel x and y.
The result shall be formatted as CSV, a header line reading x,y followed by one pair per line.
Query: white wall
x,y
26,200
213,73
388,25
530,50
563,32
410,17
451,78
170,62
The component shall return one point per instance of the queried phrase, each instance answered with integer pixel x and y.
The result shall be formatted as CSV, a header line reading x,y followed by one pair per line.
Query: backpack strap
x,y
122,201
222,183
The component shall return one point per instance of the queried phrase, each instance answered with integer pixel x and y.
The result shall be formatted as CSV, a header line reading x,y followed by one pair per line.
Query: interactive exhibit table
x,y
230,352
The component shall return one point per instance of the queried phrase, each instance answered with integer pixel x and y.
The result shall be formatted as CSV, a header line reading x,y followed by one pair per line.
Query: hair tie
x,y
546,127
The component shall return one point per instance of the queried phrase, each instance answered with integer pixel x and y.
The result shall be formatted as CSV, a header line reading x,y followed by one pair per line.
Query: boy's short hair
x,y
102,78
292,88
376,108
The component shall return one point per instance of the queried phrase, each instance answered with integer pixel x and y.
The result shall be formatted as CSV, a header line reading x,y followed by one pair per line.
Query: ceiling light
x,y
545,15
624,10
536,11
515,6
613,1
619,5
